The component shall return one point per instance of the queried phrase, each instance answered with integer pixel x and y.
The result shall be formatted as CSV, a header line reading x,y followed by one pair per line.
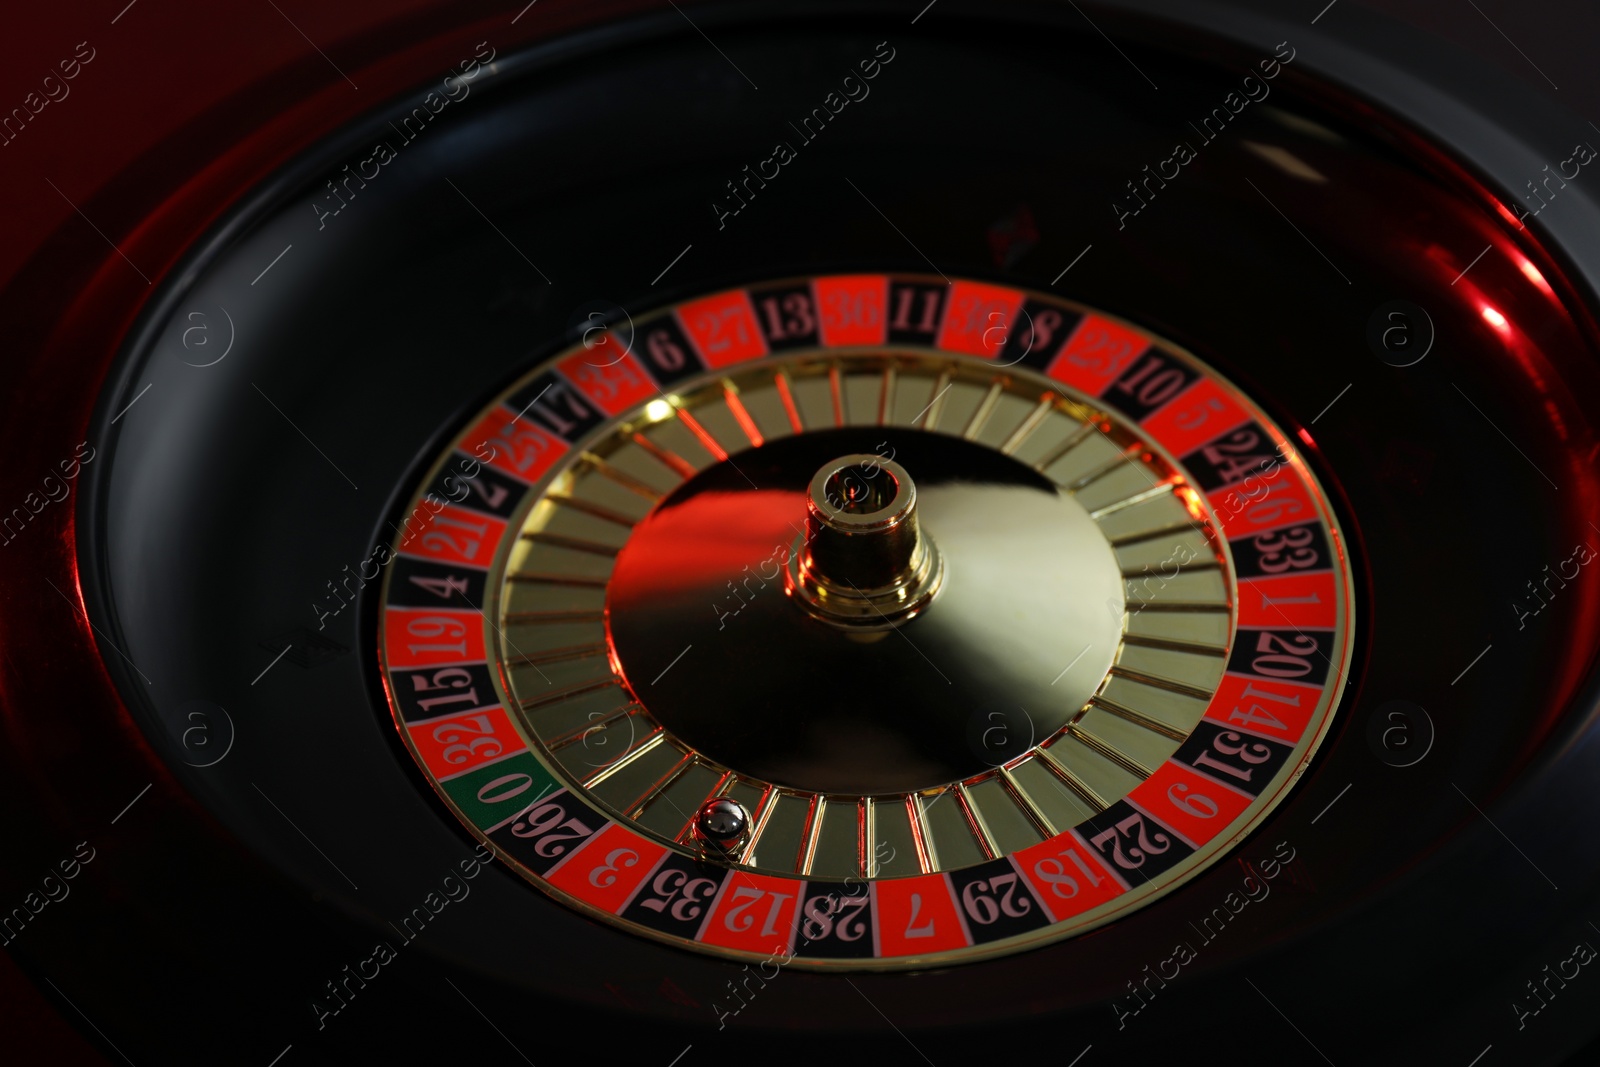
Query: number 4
x,y
1256,716
1257,713
443,588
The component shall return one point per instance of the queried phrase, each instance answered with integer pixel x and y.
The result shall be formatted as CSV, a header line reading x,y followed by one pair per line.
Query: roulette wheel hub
x,y
863,561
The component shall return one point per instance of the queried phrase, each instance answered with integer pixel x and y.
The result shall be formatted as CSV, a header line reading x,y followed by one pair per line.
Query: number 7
x,y
912,929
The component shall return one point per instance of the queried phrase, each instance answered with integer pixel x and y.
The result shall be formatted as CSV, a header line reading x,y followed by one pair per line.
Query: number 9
x,y
1197,804
436,626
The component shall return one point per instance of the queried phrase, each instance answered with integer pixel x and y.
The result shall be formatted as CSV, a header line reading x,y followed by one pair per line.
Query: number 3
x,y
606,875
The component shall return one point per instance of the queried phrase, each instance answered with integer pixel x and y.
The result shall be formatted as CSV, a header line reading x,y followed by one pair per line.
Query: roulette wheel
x,y
647,533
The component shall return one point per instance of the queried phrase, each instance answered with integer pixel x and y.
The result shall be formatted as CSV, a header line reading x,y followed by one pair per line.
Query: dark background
x,y
166,61
162,63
